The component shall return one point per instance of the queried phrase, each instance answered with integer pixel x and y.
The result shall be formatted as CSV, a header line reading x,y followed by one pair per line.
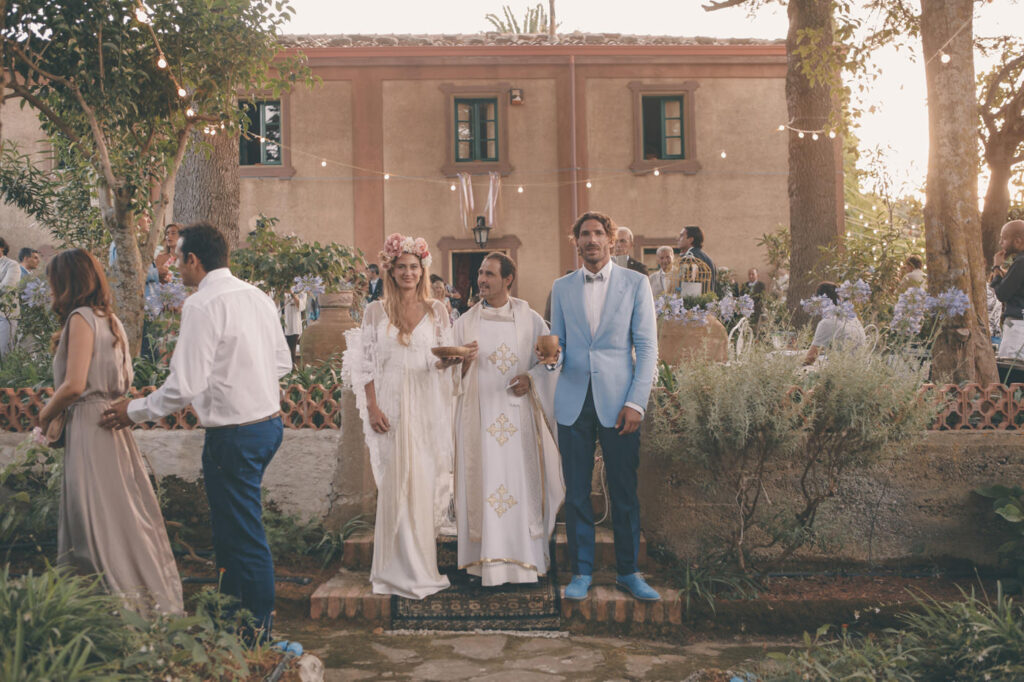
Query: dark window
x,y
260,142
663,127
476,130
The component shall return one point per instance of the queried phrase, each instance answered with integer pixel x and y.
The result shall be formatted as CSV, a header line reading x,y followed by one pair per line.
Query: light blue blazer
x,y
606,359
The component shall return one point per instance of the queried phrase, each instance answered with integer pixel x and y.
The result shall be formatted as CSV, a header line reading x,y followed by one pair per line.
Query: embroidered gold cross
x,y
501,501
503,358
502,429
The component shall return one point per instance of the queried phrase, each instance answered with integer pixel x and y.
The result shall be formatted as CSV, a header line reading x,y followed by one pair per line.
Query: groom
x,y
601,314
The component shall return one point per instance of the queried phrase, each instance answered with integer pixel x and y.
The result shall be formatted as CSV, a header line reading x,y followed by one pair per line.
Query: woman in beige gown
x,y
110,522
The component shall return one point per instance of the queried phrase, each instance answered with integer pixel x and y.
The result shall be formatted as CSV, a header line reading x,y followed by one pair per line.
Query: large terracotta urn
x,y
681,342
326,336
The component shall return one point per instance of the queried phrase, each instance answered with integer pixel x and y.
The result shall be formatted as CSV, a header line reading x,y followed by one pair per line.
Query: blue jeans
x,y
234,459
621,457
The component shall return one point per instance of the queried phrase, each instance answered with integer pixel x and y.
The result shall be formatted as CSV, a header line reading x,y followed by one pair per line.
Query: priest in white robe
x,y
508,475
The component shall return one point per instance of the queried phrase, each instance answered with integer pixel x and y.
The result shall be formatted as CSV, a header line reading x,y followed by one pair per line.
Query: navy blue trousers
x,y
621,457
234,460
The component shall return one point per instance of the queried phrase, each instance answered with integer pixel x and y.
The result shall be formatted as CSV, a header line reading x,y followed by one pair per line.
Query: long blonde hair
x,y
390,299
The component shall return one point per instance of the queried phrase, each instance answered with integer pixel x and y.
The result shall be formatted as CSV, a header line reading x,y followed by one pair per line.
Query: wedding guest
x,y
439,290
28,258
294,306
109,521
834,330
167,258
10,275
229,357
406,408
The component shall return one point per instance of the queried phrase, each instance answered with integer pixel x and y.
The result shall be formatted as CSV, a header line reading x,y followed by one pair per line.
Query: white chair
x,y
871,336
740,339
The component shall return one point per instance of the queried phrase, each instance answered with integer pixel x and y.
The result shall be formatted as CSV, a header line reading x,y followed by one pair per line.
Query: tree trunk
x,y
951,221
206,187
996,211
813,190
128,274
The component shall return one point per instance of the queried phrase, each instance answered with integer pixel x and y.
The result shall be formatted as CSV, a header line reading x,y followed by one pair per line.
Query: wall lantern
x,y
480,232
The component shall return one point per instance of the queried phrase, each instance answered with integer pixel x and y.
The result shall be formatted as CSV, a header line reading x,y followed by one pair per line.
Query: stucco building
x,y
660,132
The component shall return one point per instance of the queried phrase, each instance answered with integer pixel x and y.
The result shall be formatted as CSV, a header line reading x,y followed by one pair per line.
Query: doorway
x,y
464,267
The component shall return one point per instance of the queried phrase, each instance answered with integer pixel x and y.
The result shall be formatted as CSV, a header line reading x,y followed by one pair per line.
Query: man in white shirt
x,y
230,355
660,277
10,275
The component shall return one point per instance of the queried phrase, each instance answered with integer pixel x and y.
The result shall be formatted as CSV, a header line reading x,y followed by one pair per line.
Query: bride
x,y
404,396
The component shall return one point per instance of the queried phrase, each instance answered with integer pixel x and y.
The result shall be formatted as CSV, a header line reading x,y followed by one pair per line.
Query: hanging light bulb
x,y
323,163
800,134
814,136
589,184
723,153
190,112
782,126
182,92
520,189
944,58
161,62
657,172
387,176
452,188
832,134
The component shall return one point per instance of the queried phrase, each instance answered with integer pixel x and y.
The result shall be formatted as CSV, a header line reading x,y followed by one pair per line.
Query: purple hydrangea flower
x,y
164,297
820,305
951,303
36,292
855,292
310,284
909,311
746,305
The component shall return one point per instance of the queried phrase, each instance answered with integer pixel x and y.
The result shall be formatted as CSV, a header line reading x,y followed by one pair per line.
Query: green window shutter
x,y
672,143
476,130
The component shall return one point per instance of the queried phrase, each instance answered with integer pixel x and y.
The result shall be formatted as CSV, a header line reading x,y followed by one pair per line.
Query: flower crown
x,y
395,245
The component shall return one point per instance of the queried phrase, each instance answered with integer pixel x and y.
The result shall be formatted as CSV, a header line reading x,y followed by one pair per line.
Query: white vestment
x,y
508,474
411,462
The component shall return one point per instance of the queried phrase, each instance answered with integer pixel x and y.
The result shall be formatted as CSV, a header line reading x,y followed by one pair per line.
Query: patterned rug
x,y
466,605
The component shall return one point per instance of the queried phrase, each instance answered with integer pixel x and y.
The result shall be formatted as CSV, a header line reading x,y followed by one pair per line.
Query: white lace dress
x,y
412,462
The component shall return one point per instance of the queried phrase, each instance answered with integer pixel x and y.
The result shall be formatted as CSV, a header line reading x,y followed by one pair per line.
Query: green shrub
x,y
1008,504
961,640
30,494
57,626
764,416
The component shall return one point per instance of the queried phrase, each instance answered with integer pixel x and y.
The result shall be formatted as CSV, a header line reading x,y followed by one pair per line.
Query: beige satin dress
x,y
110,521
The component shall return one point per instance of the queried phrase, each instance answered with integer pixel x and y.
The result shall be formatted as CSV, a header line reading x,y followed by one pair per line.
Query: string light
x,y
657,172
520,189
387,176
832,134
182,92
161,62
590,184
800,135
814,136
782,127
723,153
944,57
323,162
452,188
190,112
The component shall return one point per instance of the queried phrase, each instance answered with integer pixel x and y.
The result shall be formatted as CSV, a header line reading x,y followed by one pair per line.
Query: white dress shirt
x,y
594,294
230,354
659,283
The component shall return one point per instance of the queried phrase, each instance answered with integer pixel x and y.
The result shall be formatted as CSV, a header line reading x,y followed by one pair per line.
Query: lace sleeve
x,y
359,361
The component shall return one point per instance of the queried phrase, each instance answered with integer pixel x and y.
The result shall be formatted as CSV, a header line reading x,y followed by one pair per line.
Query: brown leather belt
x,y
254,421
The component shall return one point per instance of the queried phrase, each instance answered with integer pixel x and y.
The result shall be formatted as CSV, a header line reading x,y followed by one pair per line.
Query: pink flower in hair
x,y
396,244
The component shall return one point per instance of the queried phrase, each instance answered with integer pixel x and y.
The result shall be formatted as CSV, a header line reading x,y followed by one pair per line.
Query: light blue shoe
x,y
636,586
577,587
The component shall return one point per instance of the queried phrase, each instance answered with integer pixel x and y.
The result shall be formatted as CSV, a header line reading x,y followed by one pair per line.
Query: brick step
x,y
348,597
358,551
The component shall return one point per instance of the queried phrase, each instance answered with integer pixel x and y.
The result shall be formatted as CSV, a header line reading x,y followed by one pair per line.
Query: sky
x,y
898,126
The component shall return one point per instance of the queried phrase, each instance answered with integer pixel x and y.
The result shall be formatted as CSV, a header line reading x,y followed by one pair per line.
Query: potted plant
x,y
332,272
